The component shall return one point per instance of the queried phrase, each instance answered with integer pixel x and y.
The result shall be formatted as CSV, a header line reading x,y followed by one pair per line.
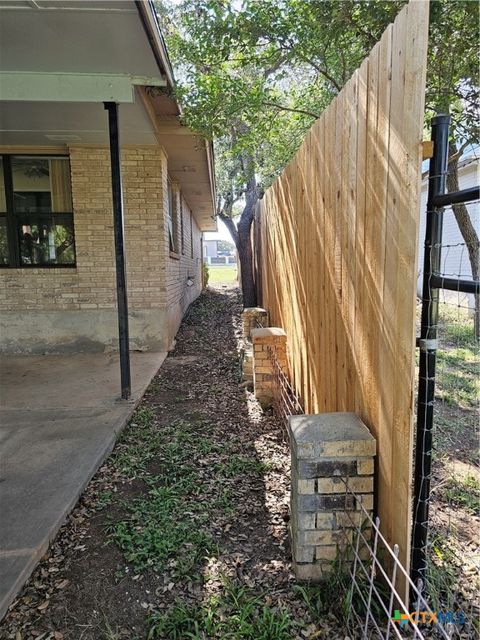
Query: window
x,y
191,235
182,230
173,214
36,218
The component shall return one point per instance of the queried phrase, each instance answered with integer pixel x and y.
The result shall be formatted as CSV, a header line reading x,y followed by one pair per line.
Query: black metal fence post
x,y
122,301
433,282
428,347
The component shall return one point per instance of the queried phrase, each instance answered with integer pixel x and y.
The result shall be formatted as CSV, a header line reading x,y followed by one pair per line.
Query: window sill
x,y
174,255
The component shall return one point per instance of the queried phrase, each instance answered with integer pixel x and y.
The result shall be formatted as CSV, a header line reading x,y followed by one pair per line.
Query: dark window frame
x,y
191,235
182,226
12,218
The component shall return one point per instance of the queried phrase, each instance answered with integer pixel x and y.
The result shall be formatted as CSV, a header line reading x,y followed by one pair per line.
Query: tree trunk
x,y
467,230
245,257
241,236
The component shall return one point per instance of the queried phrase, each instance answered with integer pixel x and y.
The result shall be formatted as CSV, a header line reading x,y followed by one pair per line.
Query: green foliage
x,y
206,274
239,465
237,613
441,573
224,245
452,74
254,75
464,492
154,533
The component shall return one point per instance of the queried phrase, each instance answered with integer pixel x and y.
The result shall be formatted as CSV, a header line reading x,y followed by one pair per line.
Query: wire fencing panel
x,y
338,239
447,481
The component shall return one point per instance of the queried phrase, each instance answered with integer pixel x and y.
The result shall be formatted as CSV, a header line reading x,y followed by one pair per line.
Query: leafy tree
x,y
254,76
452,88
224,245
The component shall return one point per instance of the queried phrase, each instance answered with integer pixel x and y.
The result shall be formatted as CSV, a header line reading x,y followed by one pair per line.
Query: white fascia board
x,y
34,86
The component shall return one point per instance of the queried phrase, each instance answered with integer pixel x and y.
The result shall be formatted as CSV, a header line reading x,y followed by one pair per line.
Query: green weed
x,y
239,465
104,499
237,613
464,493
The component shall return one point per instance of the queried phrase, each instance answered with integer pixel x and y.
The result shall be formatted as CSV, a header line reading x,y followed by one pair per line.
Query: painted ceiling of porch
x,y
96,37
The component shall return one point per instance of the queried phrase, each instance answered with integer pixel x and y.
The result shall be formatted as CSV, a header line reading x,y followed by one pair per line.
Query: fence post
x,y
327,450
263,373
428,349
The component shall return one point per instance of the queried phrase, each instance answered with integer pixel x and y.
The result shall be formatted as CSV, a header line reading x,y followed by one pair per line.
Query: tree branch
x,y
291,109
230,224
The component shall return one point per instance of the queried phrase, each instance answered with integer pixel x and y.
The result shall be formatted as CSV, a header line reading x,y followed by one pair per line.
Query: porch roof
x,y
87,52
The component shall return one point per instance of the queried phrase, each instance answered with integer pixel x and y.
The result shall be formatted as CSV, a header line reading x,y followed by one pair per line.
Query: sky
x,y
221,234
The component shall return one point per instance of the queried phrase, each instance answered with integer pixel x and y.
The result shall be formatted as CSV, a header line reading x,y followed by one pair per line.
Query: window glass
x,y
48,240
3,241
41,185
171,239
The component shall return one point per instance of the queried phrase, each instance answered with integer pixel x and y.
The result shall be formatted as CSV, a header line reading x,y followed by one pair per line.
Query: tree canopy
x,y
254,75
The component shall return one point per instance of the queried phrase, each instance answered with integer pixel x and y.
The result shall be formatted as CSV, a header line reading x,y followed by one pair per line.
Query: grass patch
x,y
464,493
237,613
442,575
239,466
166,528
155,535
225,274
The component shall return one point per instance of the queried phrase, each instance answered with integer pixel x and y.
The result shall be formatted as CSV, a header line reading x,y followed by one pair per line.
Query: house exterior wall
x,y
183,267
210,248
74,309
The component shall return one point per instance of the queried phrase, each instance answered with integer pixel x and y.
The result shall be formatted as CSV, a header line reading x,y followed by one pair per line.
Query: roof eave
x,y
149,20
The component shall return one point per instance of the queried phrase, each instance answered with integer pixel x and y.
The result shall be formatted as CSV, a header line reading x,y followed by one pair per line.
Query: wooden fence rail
x,y
335,252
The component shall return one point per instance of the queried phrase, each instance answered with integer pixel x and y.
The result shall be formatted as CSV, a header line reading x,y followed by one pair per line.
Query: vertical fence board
x,y
337,233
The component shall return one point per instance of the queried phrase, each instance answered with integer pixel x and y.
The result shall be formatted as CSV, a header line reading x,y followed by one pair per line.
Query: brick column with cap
x,y
252,317
327,450
263,379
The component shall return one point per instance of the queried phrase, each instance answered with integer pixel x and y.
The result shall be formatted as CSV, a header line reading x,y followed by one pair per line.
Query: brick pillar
x,y
251,316
325,448
263,379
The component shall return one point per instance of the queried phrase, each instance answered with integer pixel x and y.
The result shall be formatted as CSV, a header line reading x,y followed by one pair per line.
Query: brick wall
x,y
155,281
184,265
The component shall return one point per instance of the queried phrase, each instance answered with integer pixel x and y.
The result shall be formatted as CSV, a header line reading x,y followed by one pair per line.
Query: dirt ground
x,y
183,533
124,560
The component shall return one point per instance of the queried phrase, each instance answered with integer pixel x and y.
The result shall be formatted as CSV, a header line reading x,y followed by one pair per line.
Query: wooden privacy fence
x,y
335,251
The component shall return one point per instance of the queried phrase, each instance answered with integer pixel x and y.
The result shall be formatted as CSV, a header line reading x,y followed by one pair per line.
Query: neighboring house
x,y
213,256
455,261
60,61
210,249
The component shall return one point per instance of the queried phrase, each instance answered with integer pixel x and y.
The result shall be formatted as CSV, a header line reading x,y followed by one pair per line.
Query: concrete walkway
x,y
59,417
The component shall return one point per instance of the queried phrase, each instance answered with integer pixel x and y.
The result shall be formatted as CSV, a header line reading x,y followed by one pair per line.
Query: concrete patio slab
x,y
59,417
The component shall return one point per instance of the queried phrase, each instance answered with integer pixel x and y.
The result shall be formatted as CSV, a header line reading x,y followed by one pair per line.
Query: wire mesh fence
x,y
447,487
454,507
376,580
373,579
285,401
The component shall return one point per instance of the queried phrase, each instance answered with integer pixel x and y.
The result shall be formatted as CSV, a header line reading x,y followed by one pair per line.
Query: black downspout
x,y
122,301
428,349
